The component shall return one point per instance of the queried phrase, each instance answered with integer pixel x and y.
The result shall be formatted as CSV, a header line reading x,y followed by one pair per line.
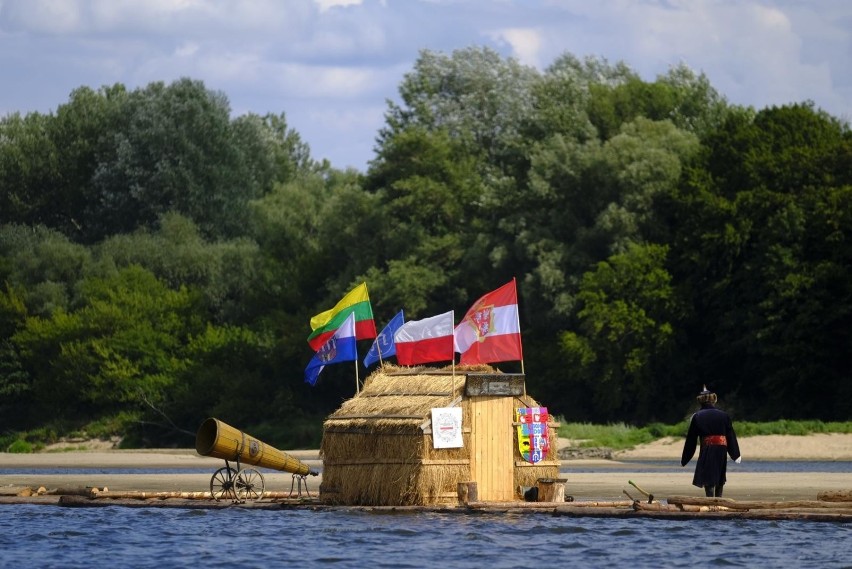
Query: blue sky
x,y
331,65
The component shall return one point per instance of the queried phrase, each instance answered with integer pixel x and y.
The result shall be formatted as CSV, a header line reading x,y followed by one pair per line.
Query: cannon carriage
x,y
241,483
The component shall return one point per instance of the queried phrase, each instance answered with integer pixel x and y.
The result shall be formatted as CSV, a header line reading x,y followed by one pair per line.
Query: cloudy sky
x,y
331,65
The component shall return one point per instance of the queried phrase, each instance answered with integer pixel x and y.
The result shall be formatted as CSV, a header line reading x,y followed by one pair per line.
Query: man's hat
x,y
706,396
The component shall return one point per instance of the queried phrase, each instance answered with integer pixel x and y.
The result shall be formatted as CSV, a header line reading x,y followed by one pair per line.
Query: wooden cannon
x,y
220,440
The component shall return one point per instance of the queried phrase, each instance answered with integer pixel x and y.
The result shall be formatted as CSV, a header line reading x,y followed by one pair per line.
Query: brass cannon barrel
x,y
220,440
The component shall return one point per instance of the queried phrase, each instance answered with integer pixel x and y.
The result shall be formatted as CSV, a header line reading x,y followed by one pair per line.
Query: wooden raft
x,y
836,508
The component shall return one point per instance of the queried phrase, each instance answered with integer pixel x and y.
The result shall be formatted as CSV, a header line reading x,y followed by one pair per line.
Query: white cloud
x,y
43,16
187,49
325,5
525,43
754,52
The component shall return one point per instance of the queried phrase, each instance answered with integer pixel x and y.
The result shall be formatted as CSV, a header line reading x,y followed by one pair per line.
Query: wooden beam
x,y
757,505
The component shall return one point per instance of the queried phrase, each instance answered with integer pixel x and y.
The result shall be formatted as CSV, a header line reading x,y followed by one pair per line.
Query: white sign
x,y
447,427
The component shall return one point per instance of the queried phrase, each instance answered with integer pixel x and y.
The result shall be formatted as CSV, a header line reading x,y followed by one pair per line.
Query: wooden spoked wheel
x,y
222,484
249,484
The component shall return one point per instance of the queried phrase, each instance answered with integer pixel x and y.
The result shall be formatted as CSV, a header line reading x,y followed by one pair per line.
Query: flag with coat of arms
x,y
339,348
490,331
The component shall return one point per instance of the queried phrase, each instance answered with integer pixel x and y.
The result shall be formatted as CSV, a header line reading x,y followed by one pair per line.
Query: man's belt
x,y
718,440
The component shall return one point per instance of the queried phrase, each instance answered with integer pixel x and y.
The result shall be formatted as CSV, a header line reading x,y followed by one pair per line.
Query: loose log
x,y
755,505
140,495
660,507
294,496
599,504
655,507
835,496
541,506
75,491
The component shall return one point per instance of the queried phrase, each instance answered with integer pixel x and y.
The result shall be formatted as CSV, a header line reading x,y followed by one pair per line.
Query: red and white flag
x,y
490,331
427,340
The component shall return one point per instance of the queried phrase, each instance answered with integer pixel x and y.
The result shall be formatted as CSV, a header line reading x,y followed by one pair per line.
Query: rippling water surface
x,y
49,536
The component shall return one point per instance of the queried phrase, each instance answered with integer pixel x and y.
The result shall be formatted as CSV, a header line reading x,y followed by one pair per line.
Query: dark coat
x,y
712,459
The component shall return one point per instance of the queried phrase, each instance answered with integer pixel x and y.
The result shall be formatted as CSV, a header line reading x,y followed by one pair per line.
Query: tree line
x,y
160,259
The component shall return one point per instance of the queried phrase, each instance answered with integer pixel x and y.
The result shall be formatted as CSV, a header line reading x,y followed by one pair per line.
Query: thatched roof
x,y
405,394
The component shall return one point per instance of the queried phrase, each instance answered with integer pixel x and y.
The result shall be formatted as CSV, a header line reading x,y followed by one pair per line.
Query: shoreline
x,y
813,447
587,479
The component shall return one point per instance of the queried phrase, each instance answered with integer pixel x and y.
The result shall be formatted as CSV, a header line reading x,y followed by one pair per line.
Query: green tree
x,y
179,255
478,98
173,149
429,191
588,201
15,382
44,265
124,346
680,96
628,318
448,158
29,168
80,130
760,260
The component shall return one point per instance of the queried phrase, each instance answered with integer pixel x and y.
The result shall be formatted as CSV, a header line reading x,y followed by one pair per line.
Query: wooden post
x,y
551,489
468,492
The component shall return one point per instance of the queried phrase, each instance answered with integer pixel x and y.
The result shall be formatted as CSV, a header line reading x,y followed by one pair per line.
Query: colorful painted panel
x,y
533,440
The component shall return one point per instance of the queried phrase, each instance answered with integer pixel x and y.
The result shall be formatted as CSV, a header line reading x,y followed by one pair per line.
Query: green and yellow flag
x,y
356,302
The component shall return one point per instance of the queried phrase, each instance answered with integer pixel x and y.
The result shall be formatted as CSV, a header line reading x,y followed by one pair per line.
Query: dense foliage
x,y
160,259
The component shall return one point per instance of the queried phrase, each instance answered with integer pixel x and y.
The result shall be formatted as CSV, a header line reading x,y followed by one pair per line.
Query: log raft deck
x,y
829,507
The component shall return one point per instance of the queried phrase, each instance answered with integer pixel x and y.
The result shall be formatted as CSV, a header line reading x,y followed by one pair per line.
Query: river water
x,y
45,536
114,536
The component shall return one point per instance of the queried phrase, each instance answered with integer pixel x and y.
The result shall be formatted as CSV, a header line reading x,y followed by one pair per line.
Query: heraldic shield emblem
x,y
533,440
483,322
328,351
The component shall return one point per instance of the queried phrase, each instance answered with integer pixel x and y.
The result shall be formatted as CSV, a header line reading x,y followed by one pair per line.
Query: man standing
x,y
711,427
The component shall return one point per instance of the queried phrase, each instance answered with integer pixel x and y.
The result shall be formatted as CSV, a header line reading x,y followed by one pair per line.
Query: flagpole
x,y
453,390
518,321
357,381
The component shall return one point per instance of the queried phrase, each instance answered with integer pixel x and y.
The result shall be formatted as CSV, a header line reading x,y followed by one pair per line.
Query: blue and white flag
x,y
384,346
339,348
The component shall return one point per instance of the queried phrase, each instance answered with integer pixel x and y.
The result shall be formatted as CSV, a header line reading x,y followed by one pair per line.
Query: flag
x,y
340,347
427,340
490,331
356,302
384,345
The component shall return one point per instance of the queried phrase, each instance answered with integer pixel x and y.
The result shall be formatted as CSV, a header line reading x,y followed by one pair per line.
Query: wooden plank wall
x,y
491,447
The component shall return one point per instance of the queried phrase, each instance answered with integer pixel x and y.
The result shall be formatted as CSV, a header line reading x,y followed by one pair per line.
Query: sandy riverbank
x,y
184,470
832,446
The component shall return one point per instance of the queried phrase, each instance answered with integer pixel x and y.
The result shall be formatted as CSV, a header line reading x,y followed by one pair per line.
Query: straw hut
x,y
378,448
